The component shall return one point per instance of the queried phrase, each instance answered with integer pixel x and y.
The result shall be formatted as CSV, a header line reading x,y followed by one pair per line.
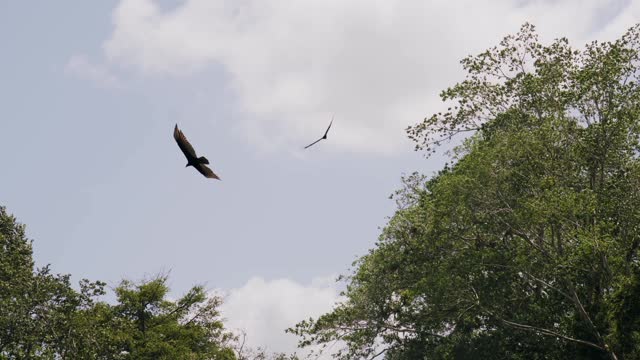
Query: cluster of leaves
x,y
527,247
43,317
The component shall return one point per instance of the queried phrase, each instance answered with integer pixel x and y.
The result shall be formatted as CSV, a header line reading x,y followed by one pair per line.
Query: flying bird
x,y
200,163
324,137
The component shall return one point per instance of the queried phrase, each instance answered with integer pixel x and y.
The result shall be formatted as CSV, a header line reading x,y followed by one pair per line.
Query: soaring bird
x,y
192,158
324,137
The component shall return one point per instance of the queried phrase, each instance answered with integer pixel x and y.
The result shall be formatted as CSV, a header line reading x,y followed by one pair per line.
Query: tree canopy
x,y
527,246
43,317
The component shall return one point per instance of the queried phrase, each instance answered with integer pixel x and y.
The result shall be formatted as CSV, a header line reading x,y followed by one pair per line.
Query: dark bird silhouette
x,y
324,137
192,158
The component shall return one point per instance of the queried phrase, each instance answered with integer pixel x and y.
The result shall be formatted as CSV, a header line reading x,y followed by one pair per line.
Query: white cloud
x,y
264,309
82,67
629,16
377,64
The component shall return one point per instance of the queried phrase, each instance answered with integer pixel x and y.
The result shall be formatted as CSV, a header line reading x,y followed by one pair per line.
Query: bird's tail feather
x,y
203,160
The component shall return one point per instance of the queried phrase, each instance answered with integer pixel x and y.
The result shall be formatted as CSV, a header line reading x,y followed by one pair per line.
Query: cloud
x,y
377,64
264,309
79,65
628,15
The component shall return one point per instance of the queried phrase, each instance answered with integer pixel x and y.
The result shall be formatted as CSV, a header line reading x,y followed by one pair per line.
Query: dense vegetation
x,y
43,317
527,246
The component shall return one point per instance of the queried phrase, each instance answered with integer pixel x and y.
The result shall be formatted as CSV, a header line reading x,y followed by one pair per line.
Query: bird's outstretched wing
x,y
326,132
313,143
204,170
323,136
183,143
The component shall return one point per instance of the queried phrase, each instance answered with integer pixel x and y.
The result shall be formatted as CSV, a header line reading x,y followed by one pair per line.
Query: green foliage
x,y
148,326
43,317
527,247
37,308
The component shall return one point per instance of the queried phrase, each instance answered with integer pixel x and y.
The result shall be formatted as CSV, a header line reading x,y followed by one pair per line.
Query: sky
x,y
92,90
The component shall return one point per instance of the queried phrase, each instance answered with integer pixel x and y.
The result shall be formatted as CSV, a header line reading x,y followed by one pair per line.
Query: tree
x,y
148,326
527,246
43,317
37,308
16,273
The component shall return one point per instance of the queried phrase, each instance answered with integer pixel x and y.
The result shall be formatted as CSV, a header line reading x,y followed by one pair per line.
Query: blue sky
x,y
103,188
92,91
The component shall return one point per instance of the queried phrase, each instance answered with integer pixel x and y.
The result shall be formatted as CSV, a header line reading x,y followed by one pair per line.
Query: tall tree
x,y
37,308
526,247
148,326
43,317
16,273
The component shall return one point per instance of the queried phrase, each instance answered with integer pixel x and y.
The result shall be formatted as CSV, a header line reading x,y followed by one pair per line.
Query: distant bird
x,y
324,137
192,158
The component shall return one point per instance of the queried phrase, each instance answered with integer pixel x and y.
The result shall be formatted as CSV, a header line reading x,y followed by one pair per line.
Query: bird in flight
x,y
324,137
200,163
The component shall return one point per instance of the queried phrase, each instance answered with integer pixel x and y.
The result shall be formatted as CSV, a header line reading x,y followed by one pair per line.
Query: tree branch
x,y
548,332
